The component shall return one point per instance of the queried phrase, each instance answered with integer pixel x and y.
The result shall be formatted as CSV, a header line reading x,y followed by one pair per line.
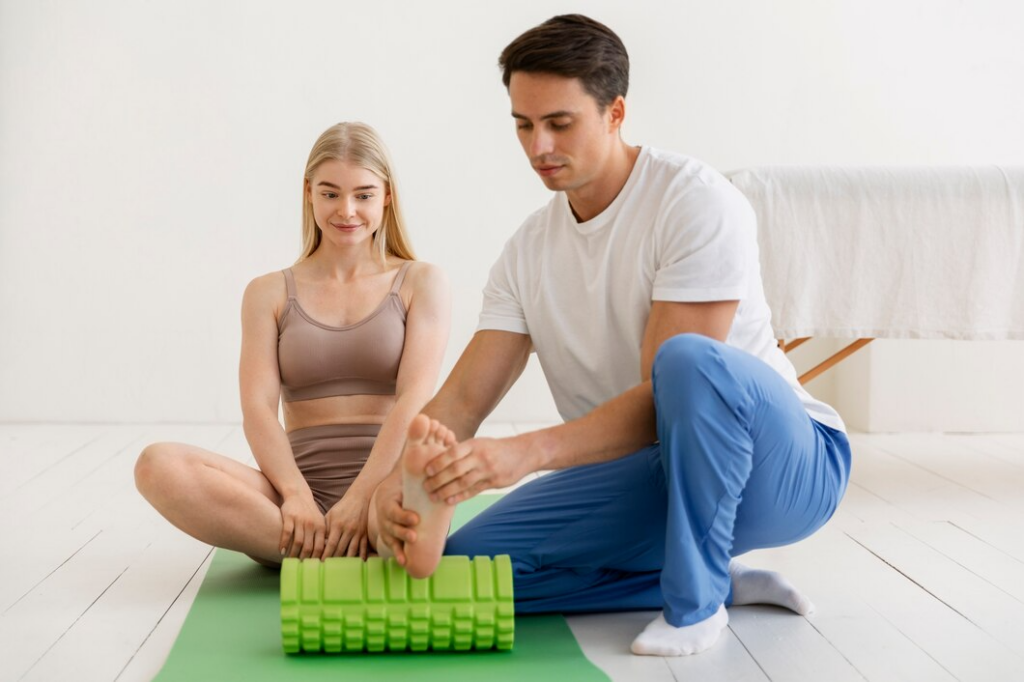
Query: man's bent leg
x,y
745,467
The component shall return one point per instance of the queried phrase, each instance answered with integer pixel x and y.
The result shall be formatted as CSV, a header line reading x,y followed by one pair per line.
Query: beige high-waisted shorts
x,y
331,456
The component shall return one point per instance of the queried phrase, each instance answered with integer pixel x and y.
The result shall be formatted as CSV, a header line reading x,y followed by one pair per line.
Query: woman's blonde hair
x,y
358,144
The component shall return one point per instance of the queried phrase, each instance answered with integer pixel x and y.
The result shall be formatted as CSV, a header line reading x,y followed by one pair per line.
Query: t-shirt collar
x,y
608,215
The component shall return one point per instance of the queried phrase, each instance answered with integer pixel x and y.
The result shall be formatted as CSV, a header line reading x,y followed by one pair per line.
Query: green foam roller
x,y
345,604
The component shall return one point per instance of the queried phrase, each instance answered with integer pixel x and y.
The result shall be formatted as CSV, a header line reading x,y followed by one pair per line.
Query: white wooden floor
x,y
920,575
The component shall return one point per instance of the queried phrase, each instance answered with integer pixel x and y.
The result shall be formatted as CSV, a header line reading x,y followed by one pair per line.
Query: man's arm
x,y
616,428
486,370
492,362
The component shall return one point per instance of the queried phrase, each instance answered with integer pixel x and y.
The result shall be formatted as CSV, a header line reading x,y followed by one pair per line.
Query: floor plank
x,y
788,647
56,604
605,640
919,576
966,463
978,601
116,625
146,661
29,452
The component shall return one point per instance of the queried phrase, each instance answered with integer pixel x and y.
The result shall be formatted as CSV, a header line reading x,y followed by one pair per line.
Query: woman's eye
x,y
330,195
364,197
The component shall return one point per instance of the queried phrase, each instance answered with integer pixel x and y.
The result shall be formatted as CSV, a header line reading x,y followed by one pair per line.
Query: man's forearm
x,y
460,418
613,429
487,369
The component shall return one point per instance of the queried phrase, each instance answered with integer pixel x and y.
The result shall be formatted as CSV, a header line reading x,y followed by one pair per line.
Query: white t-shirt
x,y
678,231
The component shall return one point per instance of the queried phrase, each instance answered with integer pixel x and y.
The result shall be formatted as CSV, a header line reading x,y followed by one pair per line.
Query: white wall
x,y
151,156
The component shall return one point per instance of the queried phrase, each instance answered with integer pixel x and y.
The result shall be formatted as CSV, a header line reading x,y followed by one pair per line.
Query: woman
x,y
351,338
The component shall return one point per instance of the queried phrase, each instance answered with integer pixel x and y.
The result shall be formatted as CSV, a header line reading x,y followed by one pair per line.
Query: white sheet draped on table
x,y
875,252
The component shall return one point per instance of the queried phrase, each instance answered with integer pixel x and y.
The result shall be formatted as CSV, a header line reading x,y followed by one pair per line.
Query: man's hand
x,y
394,524
475,465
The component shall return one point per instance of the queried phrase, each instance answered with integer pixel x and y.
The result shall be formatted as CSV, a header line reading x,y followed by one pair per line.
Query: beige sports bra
x,y
318,360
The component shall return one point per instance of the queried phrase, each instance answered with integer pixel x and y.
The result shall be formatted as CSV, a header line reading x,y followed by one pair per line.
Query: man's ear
x,y
616,113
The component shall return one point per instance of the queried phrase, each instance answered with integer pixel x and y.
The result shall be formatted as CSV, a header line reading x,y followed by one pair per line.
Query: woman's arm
x,y
259,382
427,325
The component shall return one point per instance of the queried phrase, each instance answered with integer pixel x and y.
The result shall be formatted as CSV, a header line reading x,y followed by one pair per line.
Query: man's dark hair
x,y
572,46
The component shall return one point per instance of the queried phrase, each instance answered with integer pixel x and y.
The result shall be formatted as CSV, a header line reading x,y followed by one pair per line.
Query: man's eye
x,y
560,126
524,126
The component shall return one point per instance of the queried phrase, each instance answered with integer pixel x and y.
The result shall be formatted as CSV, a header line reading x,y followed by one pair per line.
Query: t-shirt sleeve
x,y
503,309
705,243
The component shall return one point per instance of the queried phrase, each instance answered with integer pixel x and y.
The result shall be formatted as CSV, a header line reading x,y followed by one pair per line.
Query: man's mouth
x,y
547,169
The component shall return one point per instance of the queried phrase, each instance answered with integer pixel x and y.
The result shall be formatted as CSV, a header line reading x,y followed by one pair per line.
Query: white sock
x,y
754,586
661,639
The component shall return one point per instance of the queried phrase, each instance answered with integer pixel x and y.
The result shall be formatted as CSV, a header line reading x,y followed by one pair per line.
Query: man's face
x,y
566,137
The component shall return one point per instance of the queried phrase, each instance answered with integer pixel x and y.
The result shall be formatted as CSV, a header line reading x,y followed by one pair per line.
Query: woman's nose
x,y
345,207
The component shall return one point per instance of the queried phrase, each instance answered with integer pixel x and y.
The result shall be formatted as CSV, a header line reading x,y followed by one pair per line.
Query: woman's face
x,y
348,202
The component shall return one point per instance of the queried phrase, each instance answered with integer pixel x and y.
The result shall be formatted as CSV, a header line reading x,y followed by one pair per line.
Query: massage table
x,y
863,253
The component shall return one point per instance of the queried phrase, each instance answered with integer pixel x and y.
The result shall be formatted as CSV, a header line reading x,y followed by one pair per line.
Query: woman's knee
x,y
275,565
155,465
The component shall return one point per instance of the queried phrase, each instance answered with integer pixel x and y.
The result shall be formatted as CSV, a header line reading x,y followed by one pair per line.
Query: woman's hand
x,y
395,524
346,526
303,527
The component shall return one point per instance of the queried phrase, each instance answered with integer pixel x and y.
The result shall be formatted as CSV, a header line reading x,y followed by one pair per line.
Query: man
x,y
687,437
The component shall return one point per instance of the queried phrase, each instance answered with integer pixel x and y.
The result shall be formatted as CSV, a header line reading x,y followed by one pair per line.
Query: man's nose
x,y
540,143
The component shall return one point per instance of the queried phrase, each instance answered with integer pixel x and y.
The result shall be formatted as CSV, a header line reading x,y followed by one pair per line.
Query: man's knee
x,y
682,354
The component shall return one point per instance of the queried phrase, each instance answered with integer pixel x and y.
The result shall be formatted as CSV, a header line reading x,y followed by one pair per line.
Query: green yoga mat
x,y
233,632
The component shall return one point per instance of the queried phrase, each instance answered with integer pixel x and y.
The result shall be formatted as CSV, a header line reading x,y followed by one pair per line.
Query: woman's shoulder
x,y
266,291
271,282
424,273
422,278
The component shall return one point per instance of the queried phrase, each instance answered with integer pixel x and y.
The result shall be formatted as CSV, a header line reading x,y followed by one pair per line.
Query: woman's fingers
x,y
401,533
298,535
353,545
399,549
286,534
318,541
346,540
308,541
331,546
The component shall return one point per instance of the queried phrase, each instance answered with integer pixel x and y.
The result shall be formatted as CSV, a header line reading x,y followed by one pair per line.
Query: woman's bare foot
x,y
426,440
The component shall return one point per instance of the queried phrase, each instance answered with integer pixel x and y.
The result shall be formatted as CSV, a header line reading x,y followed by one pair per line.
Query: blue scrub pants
x,y
739,466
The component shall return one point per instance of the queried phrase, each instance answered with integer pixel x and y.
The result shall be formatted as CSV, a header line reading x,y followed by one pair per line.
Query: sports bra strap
x,y
401,276
289,282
